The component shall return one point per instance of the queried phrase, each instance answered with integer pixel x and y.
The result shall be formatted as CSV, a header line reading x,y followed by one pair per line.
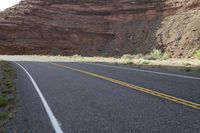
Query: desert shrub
x,y
127,56
154,55
145,63
187,64
165,56
188,69
104,54
139,56
158,54
197,54
130,57
129,63
55,51
3,101
77,56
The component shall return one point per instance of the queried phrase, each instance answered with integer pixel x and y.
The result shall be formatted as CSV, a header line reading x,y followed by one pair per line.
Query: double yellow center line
x,y
135,87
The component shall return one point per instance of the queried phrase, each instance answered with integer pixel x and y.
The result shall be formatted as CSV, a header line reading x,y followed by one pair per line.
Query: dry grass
x,y
182,64
138,60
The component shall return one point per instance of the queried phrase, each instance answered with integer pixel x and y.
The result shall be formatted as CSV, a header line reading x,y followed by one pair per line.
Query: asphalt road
x,y
95,98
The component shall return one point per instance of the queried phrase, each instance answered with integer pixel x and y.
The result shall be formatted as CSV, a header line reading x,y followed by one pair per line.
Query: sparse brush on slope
x,y
197,54
157,54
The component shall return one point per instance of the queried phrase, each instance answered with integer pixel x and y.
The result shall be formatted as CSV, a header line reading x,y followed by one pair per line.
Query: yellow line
x,y
138,88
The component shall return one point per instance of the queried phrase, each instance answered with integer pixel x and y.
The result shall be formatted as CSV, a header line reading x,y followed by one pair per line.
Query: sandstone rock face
x,y
100,27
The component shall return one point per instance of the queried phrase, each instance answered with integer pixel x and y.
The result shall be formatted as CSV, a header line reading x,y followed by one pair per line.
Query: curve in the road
x,y
135,87
51,116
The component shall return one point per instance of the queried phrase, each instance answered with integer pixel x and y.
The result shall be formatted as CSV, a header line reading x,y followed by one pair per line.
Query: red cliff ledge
x,y
101,27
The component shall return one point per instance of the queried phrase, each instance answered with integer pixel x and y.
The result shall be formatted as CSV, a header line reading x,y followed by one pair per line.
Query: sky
x,y
7,3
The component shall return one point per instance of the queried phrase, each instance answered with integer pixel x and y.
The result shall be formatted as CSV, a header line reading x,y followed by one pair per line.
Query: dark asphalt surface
x,y
84,104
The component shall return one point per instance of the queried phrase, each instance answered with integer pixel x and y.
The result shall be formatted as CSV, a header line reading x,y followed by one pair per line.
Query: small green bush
x,y
55,51
186,64
77,56
139,56
197,54
129,63
158,54
127,56
188,69
3,115
3,101
145,63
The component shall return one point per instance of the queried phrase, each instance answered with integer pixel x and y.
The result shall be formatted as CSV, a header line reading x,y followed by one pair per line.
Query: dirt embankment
x,y
103,28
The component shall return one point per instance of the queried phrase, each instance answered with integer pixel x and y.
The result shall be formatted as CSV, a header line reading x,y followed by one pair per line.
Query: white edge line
x,y
147,71
51,116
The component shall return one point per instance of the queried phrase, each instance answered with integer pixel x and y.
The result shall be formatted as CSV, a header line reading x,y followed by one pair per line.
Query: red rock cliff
x,y
98,27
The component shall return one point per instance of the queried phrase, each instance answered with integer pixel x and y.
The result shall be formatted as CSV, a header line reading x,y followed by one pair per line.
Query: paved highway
x,y
73,97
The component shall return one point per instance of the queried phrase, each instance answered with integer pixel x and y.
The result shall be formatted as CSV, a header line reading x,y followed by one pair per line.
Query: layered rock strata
x,y
101,27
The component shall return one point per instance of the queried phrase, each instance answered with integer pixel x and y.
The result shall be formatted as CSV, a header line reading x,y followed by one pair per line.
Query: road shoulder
x,y
7,94
30,115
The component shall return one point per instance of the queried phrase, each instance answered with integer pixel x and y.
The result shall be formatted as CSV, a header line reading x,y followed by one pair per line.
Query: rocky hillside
x,y
101,27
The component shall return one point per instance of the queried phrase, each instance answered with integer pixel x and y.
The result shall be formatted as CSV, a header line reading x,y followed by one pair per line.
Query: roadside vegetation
x,y
155,54
155,59
7,93
197,54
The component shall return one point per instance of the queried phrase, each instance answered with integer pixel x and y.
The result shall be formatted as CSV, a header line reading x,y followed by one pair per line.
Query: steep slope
x,y
104,27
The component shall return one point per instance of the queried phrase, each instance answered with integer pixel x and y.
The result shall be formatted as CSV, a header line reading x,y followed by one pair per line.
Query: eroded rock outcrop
x,y
100,27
